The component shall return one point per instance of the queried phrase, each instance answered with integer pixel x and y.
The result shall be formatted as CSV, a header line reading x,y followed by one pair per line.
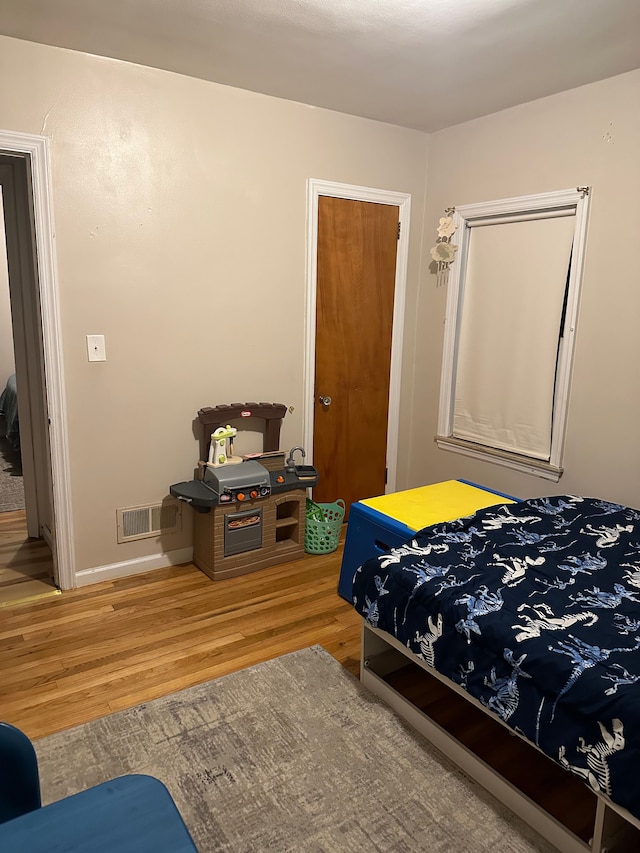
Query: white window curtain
x,y
507,350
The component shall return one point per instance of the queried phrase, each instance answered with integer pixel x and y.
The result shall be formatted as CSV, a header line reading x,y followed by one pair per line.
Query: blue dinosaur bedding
x,y
534,609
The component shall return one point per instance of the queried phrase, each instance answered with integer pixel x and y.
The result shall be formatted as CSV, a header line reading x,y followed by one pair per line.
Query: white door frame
x,y
36,148
315,189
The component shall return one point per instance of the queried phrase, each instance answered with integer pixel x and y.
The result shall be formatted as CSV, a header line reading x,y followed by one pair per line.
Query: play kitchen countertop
x,y
202,497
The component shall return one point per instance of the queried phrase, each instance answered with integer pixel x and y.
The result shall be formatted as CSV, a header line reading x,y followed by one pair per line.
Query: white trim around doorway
x,y
37,149
315,189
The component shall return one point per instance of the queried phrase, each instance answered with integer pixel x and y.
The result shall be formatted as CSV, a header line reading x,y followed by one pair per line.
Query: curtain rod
x,y
521,217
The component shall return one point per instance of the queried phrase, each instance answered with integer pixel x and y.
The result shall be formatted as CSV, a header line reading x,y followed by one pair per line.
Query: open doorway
x,y
35,312
26,554
11,479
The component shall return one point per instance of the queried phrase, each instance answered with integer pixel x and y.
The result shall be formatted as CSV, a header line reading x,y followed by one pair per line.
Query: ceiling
x,y
424,64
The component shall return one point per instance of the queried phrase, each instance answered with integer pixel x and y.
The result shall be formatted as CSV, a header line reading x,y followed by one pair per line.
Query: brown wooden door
x,y
357,248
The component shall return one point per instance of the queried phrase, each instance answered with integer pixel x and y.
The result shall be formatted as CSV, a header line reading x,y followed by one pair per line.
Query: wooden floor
x,y
26,565
77,656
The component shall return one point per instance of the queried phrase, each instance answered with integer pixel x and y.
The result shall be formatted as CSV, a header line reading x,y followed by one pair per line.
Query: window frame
x,y
503,210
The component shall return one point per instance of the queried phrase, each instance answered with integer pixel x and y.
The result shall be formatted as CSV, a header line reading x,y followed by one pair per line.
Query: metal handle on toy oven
x,y
326,401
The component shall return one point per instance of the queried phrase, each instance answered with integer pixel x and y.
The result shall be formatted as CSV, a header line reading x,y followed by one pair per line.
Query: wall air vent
x,y
142,522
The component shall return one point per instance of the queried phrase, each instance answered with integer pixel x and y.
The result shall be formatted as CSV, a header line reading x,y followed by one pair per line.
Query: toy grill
x,y
246,481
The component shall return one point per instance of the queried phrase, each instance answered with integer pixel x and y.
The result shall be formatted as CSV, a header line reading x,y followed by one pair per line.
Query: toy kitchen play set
x,y
249,510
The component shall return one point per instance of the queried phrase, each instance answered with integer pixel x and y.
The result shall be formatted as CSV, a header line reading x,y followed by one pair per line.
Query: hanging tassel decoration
x,y
444,251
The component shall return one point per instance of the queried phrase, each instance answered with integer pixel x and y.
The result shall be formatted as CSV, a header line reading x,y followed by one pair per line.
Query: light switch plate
x,y
96,348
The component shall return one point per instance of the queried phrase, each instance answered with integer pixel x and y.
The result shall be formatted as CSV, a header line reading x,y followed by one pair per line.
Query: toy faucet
x,y
290,464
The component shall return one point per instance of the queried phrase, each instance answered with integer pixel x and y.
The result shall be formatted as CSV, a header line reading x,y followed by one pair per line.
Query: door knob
x,y
326,401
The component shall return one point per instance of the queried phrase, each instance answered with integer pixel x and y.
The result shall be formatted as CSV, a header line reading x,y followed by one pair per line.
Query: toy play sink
x,y
305,472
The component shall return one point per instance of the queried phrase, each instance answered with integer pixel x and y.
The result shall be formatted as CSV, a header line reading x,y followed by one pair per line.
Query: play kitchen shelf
x,y
288,521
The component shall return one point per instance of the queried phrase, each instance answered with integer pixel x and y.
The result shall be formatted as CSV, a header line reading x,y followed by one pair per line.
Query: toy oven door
x,y
242,531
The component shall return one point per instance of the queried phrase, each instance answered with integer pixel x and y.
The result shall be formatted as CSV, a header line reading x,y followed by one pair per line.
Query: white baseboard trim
x,y
133,567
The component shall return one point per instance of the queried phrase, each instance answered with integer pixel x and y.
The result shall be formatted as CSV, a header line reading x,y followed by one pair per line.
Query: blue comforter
x,y
534,609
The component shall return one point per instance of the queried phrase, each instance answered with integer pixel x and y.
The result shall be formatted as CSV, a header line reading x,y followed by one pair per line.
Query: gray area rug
x,y
289,755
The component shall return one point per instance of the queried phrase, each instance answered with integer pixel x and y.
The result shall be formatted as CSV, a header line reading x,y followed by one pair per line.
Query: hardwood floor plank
x,y
36,628
65,715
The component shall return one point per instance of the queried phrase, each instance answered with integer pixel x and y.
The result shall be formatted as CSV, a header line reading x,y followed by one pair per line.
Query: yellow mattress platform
x,y
378,524
418,508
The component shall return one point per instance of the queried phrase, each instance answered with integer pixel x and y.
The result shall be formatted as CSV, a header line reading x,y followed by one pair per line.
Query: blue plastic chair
x,y
19,778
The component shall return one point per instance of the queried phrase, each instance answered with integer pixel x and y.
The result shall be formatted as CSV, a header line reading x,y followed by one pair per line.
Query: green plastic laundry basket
x,y
322,526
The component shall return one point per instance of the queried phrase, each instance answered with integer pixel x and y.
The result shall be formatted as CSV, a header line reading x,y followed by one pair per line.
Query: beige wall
x,y
171,192
589,135
180,210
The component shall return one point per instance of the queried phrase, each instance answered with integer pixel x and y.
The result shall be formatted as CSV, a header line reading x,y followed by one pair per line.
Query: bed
x,y
531,612
9,408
